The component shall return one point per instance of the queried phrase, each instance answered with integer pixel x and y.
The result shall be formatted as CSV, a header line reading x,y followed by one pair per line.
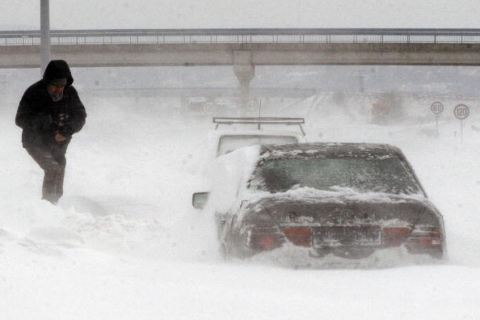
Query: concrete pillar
x,y
244,71
45,34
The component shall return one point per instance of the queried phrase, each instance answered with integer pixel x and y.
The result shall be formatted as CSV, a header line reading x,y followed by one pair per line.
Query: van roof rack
x,y
259,121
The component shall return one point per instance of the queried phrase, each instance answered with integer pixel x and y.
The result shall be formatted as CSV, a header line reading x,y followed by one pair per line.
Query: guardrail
x,y
240,36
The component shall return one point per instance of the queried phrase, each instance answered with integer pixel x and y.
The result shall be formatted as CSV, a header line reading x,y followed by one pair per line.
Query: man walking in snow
x,y
49,113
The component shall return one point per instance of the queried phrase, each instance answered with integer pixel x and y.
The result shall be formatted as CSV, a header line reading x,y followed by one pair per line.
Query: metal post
x,y
45,38
361,79
461,132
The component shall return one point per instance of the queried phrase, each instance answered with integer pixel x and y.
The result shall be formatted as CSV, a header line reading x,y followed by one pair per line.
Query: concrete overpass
x,y
245,48
97,48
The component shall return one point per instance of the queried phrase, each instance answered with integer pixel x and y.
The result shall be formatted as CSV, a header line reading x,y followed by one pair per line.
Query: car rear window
x,y
387,174
228,144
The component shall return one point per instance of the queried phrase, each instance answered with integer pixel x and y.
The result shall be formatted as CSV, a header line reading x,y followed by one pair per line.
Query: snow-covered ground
x,y
124,242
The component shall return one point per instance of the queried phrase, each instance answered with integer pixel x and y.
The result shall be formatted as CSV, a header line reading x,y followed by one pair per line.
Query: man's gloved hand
x,y
59,137
43,123
65,129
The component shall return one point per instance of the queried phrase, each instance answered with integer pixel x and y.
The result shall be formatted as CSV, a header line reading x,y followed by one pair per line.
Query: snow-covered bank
x,y
124,242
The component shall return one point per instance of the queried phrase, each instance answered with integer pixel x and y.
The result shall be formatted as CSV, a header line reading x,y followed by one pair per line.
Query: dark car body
x,y
340,202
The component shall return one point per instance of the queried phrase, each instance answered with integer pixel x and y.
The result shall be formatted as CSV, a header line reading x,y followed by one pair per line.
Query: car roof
x,y
326,148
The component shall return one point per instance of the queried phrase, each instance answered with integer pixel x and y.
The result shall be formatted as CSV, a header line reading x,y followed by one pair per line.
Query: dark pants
x,y
52,161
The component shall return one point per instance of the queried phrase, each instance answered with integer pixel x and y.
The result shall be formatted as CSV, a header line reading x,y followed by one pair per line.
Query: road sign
x,y
437,107
461,112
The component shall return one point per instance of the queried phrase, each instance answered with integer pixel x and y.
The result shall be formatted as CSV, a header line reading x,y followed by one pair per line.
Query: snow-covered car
x,y
234,133
225,141
239,132
326,203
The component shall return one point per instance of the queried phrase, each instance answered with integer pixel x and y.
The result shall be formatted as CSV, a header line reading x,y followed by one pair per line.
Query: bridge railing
x,y
240,36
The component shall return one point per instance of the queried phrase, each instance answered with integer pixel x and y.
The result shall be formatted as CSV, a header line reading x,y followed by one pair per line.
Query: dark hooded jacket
x,y
39,116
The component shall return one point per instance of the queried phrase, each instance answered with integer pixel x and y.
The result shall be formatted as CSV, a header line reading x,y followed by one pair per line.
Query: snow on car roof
x,y
325,148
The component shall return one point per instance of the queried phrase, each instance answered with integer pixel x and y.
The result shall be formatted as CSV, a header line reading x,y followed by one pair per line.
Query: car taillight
x,y
264,238
395,236
426,239
299,236
266,242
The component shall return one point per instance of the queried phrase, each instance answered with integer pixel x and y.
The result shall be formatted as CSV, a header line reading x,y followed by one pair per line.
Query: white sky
x,y
106,14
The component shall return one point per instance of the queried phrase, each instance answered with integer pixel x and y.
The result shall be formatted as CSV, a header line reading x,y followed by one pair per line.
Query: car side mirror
x,y
200,199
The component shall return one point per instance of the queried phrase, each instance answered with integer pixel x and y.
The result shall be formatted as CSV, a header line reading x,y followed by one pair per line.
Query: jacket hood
x,y
58,69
